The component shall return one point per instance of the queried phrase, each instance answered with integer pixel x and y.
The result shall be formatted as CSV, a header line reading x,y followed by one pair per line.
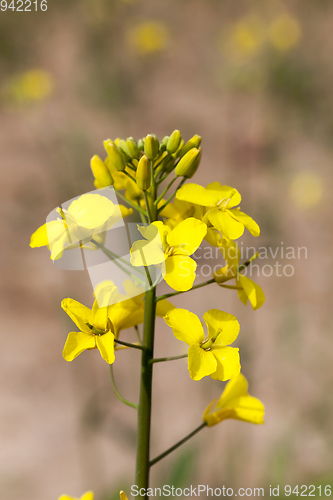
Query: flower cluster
x,y
173,222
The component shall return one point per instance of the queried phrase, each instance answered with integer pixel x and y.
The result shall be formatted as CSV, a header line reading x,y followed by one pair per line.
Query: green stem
x,y
128,344
113,255
173,194
159,360
119,396
166,296
148,207
133,205
175,446
130,176
144,413
165,190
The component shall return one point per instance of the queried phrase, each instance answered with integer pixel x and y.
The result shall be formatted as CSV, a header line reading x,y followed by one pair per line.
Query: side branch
x,y
175,446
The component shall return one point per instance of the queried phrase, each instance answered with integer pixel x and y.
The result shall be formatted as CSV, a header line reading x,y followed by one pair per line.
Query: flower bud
x,y
132,148
151,146
164,143
185,164
194,142
141,145
143,174
116,158
103,178
122,146
195,165
174,142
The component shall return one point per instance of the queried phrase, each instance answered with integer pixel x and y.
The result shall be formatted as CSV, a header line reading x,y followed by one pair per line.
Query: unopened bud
x,y
103,178
151,146
143,174
132,148
122,146
164,142
194,142
174,141
141,145
185,164
195,165
115,156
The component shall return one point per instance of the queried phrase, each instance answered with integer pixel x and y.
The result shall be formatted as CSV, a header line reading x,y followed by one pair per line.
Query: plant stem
x,y
144,413
159,360
123,400
130,176
148,207
133,205
113,255
175,446
128,344
173,194
165,190
166,296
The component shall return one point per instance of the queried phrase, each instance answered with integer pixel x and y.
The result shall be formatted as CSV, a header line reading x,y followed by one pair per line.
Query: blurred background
x,y
254,79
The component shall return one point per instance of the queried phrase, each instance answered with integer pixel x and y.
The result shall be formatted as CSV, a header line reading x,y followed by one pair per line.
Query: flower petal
x,y
235,388
245,219
99,316
47,233
78,313
228,365
125,315
197,194
105,344
225,322
91,210
253,291
200,362
163,307
225,193
180,272
145,253
186,326
225,223
187,236
76,343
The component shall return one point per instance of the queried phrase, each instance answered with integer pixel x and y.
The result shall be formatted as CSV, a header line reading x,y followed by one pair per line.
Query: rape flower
x,y
95,331
126,310
148,37
123,495
211,355
172,249
86,496
220,202
306,190
285,32
87,216
246,37
247,289
235,403
31,86
122,181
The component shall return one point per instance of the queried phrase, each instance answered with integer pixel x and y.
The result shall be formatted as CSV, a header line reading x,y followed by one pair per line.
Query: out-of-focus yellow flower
x,y
220,202
235,403
285,32
247,289
171,248
246,37
212,355
86,496
123,495
306,190
95,331
148,37
126,310
34,85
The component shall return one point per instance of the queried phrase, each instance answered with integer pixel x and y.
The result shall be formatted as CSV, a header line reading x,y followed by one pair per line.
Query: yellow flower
x,y
34,85
212,355
88,216
86,496
95,331
122,181
306,190
148,37
285,32
246,37
235,403
247,289
172,249
126,310
220,202
123,496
